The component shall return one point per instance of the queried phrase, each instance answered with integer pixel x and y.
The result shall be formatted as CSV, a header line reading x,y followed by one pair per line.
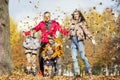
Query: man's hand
x,y
32,32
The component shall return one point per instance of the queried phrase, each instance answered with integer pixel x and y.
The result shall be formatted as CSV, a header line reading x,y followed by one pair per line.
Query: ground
x,y
18,74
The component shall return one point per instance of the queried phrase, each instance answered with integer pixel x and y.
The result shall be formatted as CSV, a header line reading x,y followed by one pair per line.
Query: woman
x,y
77,34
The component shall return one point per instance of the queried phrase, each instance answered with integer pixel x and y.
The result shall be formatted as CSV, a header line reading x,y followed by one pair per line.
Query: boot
x,y
27,72
76,75
34,73
90,74
41,74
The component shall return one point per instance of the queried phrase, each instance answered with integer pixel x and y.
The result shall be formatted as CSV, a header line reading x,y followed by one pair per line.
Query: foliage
x,y
14,34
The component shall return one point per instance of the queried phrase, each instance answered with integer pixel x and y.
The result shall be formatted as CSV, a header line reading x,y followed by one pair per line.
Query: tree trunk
x,y
6,65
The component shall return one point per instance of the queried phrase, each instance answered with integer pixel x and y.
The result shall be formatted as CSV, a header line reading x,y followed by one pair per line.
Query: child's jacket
x,y
31,43
57,47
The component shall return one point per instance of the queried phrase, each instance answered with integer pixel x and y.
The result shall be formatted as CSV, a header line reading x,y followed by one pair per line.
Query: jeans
x,y
75,47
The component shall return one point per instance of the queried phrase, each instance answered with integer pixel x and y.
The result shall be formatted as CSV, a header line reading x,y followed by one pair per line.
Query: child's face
x,y
50,49
51,41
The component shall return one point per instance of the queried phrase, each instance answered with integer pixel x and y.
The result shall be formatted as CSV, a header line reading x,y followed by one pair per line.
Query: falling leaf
x,y
94,7
84,12
87,17
112,13
36,7
100,3
64,13
28,17
30,2
97,31
99,15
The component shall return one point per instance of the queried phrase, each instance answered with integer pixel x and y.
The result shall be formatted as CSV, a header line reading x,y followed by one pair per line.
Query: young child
x,y
51,53
31,44
48,61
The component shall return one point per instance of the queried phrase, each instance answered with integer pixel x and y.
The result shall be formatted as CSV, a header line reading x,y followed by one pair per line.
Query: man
x,y
47,27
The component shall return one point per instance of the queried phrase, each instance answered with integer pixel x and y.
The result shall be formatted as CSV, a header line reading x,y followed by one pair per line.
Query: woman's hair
x,y
80,15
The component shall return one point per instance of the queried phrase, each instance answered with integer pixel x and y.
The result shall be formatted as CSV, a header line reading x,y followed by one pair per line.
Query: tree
x,y
6,65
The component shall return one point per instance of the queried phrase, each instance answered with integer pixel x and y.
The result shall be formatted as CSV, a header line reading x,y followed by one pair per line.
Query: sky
x,y
20,10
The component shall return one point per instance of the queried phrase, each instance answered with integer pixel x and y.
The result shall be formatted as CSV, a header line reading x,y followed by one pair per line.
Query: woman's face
x,y
76,15
47,17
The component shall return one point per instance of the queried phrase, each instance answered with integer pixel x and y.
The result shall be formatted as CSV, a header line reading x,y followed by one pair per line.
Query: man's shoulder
x,y
54,21
41,22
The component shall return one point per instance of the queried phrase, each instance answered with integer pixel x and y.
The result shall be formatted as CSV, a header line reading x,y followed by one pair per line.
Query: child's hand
x,y
46,58
23,33
49,58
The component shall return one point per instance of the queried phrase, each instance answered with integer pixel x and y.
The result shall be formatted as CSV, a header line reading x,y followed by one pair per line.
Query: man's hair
x,y
50,37
80,15
46,12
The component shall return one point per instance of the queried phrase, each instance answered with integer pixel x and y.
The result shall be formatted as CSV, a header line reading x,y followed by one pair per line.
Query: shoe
x,y
76,75
28,72
90,74
34,73
41,74
52,75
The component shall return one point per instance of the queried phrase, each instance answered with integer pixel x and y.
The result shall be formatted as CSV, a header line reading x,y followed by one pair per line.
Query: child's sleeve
x,y
26,44
37,43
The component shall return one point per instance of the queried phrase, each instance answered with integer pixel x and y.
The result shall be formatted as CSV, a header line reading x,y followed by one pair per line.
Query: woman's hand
x,y
93,41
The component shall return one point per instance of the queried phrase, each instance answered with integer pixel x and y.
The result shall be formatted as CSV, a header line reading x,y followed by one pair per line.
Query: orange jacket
x,y
57,48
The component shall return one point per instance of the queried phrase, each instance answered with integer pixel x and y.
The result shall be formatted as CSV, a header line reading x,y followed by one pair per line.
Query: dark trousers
x,y
41,65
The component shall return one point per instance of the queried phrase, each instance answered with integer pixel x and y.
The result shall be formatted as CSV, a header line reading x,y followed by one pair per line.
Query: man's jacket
x,y
53,29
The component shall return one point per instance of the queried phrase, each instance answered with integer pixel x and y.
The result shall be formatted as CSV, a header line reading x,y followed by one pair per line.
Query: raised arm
x,y
63,31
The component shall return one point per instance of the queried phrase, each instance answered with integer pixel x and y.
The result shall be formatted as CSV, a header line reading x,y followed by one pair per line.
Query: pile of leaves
x,y
19,74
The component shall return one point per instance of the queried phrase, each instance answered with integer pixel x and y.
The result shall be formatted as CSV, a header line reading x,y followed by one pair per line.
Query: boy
x,y
31,44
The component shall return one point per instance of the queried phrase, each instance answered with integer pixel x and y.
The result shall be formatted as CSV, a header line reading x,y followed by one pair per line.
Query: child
x,y
31,44
51,54
48,61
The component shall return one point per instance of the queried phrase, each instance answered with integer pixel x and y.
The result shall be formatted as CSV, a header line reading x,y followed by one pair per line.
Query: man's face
x,y
76,15
47,17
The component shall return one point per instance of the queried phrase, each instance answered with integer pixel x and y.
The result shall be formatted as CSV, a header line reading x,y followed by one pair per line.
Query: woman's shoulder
x,y
83,23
